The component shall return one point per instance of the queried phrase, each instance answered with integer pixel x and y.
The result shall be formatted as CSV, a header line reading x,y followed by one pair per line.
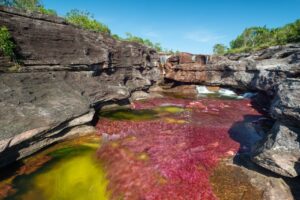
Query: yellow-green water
x,y
139,115
72,174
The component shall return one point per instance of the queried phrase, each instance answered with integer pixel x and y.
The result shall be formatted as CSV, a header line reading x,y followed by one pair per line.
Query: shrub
x,y
6,45
219,49
31,5
146,42
86,21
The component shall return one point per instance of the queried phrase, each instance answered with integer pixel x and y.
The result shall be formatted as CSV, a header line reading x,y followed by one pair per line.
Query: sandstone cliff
x,y
64,72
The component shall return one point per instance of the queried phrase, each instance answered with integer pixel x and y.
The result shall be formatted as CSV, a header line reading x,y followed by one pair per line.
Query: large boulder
x,y
281,151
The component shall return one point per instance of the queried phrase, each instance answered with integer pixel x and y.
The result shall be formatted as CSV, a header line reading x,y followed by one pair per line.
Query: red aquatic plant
x,y
170,159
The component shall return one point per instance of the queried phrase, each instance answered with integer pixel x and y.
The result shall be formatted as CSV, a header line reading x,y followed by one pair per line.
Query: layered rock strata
x,y
62,73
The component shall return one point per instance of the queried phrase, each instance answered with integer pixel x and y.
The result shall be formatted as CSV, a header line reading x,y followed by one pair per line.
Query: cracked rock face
x,y
65,72
281,151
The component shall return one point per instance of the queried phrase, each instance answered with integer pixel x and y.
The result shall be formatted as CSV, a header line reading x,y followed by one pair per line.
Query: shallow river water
x,y
165,148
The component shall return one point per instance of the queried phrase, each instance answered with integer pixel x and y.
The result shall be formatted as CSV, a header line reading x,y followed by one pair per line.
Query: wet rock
x,y
233,182
138,95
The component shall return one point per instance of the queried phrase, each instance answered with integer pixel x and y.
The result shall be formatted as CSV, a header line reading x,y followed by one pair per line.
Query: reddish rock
x,y
185,58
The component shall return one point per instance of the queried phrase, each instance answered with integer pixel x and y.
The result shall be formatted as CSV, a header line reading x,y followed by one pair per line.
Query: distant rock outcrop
x,y
274,73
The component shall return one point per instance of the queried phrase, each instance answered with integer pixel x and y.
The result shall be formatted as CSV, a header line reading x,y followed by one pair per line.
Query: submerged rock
x,y
232,182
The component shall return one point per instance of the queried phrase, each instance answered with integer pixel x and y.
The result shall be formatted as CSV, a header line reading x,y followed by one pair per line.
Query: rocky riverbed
x,y
65,74
162,148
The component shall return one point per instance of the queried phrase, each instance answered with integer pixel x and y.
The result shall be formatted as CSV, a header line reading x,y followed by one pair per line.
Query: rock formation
x,y
63,73
273,72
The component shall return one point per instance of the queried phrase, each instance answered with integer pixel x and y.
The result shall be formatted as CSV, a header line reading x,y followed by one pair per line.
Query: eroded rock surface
x,y
63,72
262,70
281,151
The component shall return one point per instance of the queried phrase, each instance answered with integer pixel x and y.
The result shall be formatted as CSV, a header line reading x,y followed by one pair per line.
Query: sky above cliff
x,y
186,25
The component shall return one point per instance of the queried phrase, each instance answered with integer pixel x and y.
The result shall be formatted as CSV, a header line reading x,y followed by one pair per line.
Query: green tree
x,y
255,38
219,49
116,37
86,21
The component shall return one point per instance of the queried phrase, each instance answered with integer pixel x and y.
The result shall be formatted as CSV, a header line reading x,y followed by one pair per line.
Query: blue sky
x,y
186,25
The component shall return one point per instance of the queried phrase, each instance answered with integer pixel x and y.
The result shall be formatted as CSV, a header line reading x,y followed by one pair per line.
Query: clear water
x,y
65,171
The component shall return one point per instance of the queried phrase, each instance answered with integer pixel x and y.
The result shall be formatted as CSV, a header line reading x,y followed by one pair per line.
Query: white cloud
x,y
203,36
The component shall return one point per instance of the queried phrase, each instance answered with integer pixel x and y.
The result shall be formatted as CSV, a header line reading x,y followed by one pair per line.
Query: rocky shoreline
x,y
274,74
65,72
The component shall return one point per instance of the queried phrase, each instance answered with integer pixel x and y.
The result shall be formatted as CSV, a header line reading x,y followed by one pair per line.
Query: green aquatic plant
x,y
169,109
129,114
75,178
72,173
137,115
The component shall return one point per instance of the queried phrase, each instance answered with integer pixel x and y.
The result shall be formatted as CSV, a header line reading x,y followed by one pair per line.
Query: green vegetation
x,y
6,45
82,19
129,114
157,46
86,21
72,165
256,38
32,5
147,42
219,49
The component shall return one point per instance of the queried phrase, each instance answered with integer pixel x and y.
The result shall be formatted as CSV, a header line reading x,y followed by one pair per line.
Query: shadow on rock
x,y
248,133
